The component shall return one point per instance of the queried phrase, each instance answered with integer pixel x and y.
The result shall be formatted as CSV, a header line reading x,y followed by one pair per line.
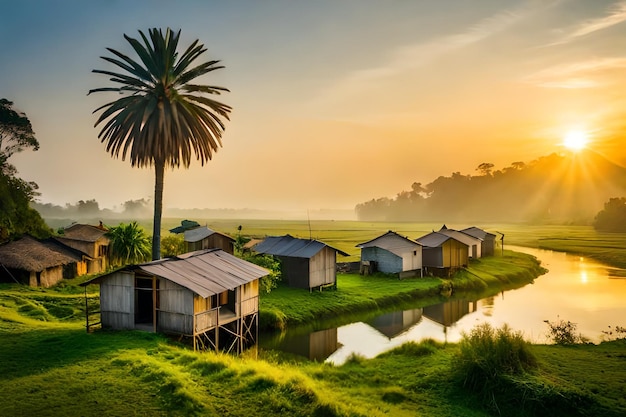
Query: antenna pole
x,y
309,219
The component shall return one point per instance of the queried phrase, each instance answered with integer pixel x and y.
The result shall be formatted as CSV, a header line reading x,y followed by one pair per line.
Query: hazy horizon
x,y
334,103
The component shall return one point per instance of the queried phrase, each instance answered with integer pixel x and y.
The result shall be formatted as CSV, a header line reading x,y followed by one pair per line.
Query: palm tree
x,y
129,244
162,118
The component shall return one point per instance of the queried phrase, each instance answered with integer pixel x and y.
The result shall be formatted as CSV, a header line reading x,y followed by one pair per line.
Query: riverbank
x,y
53,369
287,307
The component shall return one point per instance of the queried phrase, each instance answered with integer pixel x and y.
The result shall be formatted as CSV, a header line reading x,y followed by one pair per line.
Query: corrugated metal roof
x,y
392,242
433,239
185,225
206,272
197,234
460,236
291,246
477,232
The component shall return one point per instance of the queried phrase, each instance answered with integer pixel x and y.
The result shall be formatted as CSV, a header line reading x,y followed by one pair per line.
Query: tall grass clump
x,y
486,355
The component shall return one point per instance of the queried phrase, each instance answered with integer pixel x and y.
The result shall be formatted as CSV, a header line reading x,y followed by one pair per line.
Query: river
x,y
575,289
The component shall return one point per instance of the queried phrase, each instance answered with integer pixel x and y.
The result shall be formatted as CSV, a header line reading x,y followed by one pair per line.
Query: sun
x,y
576,140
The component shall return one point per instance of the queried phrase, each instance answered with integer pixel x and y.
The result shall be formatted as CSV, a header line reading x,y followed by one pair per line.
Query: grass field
x,y
609,248
49,365
52,368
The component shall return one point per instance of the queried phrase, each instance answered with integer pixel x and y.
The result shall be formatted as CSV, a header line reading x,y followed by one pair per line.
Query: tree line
x,y
567,188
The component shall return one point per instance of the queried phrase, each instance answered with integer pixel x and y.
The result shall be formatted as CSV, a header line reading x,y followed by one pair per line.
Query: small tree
x,y
269,282
129,244
172,245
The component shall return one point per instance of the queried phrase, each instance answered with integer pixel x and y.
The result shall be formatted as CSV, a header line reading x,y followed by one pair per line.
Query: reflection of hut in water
x,y
449,312
392,324
316,346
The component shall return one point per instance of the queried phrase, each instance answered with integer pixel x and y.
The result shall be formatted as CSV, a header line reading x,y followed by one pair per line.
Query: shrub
x,y
487,354
564,333
615,333
268,282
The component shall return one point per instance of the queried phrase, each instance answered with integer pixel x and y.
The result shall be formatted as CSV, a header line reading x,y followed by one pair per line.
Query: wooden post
x,y
217,330
154,305
193,329
239,295
86,311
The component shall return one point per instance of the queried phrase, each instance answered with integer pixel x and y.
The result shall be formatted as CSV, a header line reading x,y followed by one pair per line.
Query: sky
x,y
334,102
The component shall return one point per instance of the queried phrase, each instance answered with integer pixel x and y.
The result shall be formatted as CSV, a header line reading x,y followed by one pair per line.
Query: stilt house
x,y
210,296
305,263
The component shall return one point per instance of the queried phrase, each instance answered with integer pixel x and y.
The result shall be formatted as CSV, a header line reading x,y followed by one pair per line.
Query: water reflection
x,y
574,289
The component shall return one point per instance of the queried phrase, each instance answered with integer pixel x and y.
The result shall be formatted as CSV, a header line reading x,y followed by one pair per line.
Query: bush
x,y
564,333
268,282
487,354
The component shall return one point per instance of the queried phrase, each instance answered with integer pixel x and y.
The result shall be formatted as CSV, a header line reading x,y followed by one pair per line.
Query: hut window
x,y
414,253
213,301
224,298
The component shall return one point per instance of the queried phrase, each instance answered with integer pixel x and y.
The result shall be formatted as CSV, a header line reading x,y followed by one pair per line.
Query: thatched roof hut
x,y
36,263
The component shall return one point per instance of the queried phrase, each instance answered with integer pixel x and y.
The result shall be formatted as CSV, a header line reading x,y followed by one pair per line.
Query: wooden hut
x,y
208,295
305,263
204,238
392,253
488,244
92,241
38,263
474,244
442,254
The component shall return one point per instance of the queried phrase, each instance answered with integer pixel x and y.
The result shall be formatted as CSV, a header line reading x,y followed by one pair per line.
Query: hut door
x,y
145,301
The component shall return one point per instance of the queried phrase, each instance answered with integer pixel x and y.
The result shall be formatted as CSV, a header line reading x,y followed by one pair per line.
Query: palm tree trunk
x,y
159,174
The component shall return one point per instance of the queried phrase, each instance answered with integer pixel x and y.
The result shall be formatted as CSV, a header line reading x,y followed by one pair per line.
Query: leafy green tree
x,y
613,217
16,215
16,132
172,245
129,244
162,118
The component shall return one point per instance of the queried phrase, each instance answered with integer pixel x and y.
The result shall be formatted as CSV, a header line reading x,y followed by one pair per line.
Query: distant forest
x,y
558,188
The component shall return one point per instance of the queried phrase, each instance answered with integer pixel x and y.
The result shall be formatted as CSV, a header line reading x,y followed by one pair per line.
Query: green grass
x,y
355,293
49,365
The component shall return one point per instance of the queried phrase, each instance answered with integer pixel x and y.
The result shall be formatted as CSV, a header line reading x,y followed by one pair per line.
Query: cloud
x,y
617,14
585,74
407,57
